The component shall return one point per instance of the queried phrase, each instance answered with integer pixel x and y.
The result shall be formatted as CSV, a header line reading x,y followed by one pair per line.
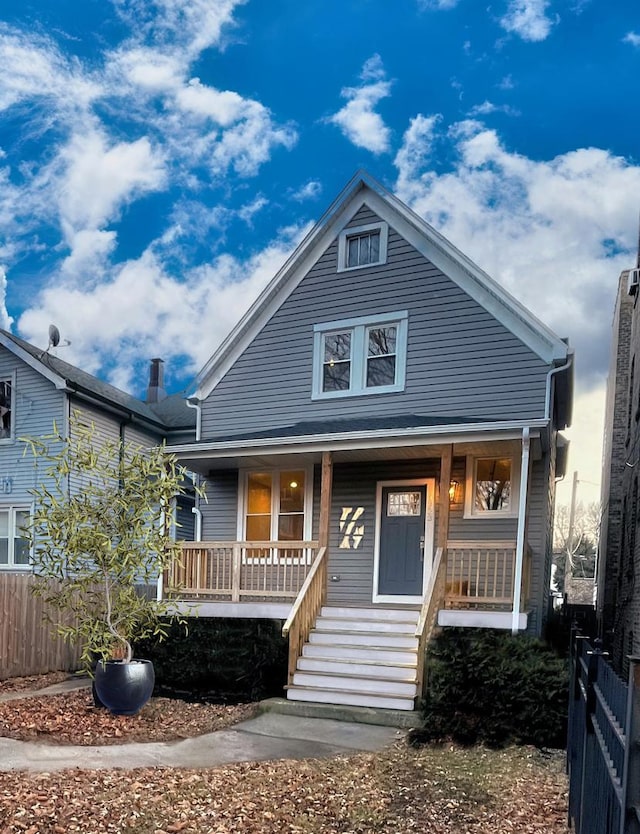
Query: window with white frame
x,y
363,246
492,486
360,356
6,408
276,506
14,545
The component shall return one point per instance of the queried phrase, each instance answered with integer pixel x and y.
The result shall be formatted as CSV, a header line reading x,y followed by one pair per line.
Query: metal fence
x,y
603,745
27,646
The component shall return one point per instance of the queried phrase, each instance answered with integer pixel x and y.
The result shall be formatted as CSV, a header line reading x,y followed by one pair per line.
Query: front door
x,y
401,544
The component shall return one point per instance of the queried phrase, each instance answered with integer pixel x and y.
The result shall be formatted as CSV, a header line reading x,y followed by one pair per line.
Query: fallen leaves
x,y
72,718
442,790
32,682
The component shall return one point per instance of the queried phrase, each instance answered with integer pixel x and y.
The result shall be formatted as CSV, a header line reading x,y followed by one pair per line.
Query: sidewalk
x,y
268,736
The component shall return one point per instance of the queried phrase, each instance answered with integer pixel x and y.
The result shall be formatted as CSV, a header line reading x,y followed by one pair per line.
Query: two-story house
x,y
378,435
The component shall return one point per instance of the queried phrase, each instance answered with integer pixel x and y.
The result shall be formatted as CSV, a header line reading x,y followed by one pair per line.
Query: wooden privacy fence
x,y
27,643
603,743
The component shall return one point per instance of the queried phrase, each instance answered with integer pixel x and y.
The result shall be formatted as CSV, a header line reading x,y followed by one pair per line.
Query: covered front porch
x,y
395,538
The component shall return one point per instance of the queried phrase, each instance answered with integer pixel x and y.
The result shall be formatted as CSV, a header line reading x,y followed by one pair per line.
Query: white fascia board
x,y
59,381
280,287
469,277
336,441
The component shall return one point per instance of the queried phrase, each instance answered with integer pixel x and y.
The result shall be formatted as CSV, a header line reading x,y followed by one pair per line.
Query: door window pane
x,y
403,503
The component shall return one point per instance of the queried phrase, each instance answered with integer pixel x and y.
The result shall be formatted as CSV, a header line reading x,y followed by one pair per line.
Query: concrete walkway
x,y
268,736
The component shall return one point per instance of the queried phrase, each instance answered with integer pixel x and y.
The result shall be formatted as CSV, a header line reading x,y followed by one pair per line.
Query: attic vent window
x,y
362,246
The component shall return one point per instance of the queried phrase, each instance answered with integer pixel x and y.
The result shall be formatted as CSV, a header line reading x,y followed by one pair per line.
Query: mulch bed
x,y
32,682
72,718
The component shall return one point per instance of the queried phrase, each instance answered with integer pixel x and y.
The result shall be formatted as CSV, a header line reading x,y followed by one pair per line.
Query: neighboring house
x,y
381,426
38,388
618,596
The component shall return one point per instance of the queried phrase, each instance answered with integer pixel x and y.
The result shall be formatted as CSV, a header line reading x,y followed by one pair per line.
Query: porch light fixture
x,y
453,489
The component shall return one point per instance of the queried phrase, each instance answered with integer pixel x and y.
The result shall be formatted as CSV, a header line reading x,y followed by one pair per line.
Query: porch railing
x,y
481,574
433,599
305,609
228,570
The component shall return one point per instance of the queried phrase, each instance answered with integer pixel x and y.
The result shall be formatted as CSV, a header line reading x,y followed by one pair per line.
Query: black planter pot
x,y
124,688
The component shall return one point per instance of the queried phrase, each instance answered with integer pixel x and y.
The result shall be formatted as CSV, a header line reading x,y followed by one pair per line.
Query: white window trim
x,y
273,558
470,510
12,509
354,231
12,379
359,328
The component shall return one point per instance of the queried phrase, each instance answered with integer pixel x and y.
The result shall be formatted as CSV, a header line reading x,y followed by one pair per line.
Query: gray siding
x,y
220,511
37,403
460,360
355,486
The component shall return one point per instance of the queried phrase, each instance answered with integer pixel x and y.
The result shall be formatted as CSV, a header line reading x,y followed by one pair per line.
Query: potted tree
x,y
101,536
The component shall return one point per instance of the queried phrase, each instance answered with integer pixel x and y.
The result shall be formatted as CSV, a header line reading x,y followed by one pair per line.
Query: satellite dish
x,y
54,336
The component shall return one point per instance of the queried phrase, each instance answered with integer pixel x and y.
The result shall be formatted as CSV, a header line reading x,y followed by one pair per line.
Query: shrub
x,y
227,660
489,686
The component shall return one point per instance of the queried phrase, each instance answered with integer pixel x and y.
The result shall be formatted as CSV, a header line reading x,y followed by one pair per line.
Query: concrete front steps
x,y
361,657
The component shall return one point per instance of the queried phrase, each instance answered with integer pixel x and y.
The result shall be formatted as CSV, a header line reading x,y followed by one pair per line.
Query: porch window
x,y
358,356
14,546
275,505
492,486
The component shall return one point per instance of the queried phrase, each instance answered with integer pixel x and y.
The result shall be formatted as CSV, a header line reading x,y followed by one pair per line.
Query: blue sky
x,y
159,159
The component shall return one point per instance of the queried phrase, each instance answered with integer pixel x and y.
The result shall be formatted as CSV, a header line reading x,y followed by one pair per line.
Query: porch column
x,y
326,483
443,509
522,509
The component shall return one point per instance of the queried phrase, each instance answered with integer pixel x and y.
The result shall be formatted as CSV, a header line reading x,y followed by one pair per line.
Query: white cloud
x,y
5,319
528,19
440,5
144,311
633,38
556,233
309,191
357,119
97,177
488,107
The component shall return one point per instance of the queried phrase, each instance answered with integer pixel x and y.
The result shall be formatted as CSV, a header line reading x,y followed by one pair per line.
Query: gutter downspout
x,y
551,373
522,506
197,532
193,403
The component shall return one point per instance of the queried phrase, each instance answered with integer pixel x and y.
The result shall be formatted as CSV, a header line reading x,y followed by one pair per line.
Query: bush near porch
x,y
227,660
489,686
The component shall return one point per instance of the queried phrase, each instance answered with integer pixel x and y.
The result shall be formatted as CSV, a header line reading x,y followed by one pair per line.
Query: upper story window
x,y
6,409
360,356
362,246
492,486
14,545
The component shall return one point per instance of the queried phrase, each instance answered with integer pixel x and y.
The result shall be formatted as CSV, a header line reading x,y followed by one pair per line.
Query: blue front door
x,y
402,530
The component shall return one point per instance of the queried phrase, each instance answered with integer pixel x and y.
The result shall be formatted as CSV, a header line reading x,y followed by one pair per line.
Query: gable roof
x,y
365,190
168,414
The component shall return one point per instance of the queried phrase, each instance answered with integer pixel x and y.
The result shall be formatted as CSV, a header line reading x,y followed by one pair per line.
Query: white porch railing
x,y
481,574
227,570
